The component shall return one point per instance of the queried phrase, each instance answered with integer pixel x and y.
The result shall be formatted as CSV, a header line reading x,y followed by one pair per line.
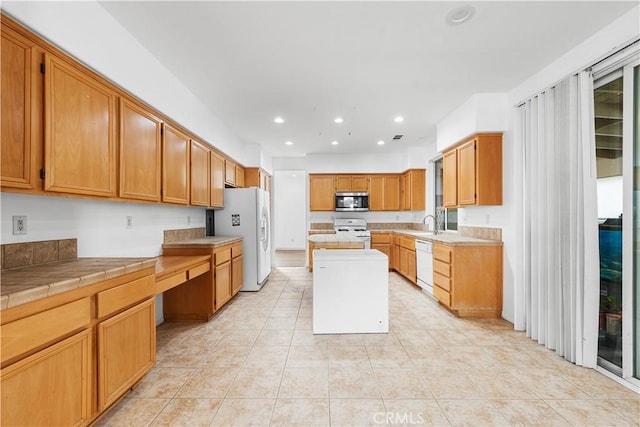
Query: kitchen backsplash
x,y
171,236
14,255
488,233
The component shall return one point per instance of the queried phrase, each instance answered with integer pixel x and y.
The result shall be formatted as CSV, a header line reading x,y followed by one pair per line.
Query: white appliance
x,y
356,227
350,291
246,214
424,265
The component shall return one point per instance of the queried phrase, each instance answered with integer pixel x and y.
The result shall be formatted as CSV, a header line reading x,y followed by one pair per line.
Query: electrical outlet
x,y
19,224
129,221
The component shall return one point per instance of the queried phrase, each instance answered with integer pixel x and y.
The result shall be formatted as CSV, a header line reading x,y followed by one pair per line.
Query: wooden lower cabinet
x,y
468,279
407,259
51,387
382,242
126,351
201,297
237,266
313,246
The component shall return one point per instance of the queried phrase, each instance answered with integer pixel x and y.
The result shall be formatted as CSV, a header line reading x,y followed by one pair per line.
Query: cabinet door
x,y
175,166
229,173
411,266
17,167
376,193
200,176
223,284
80,132
385,249
321,193
343,183
126,351
360,183
467,173
450,179
51,387
237,279
395,257
217,180
239,176
140,153
392,193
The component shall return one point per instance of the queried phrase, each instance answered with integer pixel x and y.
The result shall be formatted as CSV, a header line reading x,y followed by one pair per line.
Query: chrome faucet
x,y
435,228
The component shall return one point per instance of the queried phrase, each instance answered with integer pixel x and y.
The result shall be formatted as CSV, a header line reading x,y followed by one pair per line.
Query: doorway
x,y
616,109
290,218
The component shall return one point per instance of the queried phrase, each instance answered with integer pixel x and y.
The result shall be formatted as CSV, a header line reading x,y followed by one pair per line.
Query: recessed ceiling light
x,y
398,119
334,142
381,142
288,143
278,120
459,15
338,120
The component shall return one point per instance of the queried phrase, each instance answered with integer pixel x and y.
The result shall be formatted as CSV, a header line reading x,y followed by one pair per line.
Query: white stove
x,y
356,227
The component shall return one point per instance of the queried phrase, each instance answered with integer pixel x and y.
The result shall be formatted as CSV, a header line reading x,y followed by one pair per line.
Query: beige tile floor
x,y
257,363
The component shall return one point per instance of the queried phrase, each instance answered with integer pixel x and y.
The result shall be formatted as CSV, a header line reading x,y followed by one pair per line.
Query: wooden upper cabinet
x,y
450,178
175,166
20,99
256,177
217,180
229,173
352,183
239,176
384,193
322,193
140,152
412,185
472,172
200,174
80,131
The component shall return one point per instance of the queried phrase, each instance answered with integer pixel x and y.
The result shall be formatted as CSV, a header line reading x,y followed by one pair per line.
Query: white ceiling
x,y
364,61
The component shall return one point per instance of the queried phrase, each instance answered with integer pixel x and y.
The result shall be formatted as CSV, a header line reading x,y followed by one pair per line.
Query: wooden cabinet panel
x,y
237,279
115,299
395,257
200,174
376,193
352,183
223,284
384,193
229,173
450,179
175,166
383,238
239,176
322,192
467,173
80,132
18,102
51,387
359,183
140,152
343,183
126,351
217,180
412,185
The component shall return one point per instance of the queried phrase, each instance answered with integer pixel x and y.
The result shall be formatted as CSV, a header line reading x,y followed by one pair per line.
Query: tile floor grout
x,y
431,369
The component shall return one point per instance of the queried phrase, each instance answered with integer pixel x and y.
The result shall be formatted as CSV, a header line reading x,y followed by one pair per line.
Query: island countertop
x,y
27,284
335,239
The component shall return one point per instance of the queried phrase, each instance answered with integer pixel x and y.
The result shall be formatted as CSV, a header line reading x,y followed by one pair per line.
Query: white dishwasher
x,y
424,265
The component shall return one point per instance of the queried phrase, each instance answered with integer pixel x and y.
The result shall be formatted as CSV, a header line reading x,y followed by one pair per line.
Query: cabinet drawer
x,y
383,238
236,251
443,253
123,296
442,282
223,255
442,268
170,282
408,242
29,333
443,296
198,270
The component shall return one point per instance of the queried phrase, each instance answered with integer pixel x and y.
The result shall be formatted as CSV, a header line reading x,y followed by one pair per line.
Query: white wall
x,y
289,209
90,34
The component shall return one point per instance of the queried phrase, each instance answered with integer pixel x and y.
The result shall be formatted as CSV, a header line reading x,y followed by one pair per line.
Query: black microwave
x,y
352,202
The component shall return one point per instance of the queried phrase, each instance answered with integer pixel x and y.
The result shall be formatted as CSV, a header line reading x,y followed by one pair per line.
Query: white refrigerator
x,y
246,214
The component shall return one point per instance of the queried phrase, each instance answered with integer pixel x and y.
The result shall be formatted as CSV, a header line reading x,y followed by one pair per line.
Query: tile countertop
x,y
335,239
448,238
205,242
26,284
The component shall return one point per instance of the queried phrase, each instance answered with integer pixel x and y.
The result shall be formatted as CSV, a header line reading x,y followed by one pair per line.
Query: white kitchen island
x,y
350,291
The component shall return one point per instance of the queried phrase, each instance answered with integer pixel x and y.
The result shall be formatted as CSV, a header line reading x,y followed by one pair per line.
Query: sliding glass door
x,y
618,162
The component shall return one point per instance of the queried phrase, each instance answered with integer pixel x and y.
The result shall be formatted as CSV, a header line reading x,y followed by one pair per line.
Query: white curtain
x,y
561,261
